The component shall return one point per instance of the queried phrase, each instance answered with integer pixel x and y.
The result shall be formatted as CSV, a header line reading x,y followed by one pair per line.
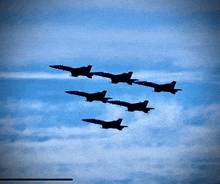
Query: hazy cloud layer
x,y
145,147
197,48
162,76
33,75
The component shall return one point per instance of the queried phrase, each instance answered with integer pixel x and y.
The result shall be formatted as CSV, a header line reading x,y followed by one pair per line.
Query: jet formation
x,y
115,79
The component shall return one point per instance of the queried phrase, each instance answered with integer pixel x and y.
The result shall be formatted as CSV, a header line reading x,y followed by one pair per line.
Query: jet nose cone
x,y
53,66
68,92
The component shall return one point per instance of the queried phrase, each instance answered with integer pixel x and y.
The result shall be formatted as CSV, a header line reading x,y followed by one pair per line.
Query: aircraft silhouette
x,y
124,77
75,72
169,87
140,106
98,96
107,124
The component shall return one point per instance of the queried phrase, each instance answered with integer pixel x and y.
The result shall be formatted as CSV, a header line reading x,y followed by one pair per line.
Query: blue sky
x,y
42,134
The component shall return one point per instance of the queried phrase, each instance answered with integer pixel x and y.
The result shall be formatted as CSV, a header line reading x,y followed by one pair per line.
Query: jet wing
x,y
85,70
100,96
121,127
131,107
146,110
173,91
132,80
107,125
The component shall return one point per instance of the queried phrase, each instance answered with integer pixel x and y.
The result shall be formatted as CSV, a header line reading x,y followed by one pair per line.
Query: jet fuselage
x,y
75,72
99,96
140,106
107,124
169,87
124,77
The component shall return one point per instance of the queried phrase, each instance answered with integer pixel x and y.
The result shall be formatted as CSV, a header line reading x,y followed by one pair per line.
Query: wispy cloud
x,y
147,75
169,76
179,45
27,104
33,75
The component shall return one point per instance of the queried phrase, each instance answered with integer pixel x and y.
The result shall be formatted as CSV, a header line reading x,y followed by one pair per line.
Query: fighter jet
x,y
107,124
140,106
124,77
99,96
169,87
75,72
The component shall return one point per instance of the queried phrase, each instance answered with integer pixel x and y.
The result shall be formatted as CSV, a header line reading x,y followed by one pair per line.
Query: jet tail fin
x,y
173,83
104,92
146,102
119,121
89,67
130,73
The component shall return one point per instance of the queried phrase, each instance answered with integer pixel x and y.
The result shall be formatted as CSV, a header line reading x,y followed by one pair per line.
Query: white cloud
x,y
63,131
97,153
93,160
213,112
33,75
9,121
208,112
142,75
28,104
204,136
169,76
146,75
